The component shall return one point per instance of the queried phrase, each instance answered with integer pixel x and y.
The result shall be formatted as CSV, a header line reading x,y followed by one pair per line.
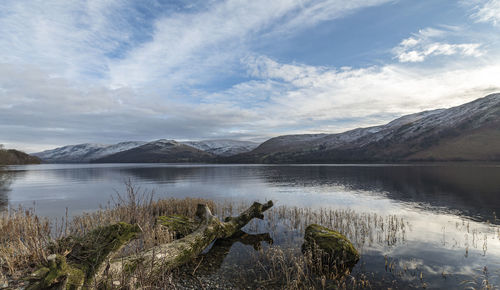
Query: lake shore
x,y
268,257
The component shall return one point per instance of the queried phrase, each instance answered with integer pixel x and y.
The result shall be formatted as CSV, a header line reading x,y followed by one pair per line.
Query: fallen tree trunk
x,y
168,256
87,262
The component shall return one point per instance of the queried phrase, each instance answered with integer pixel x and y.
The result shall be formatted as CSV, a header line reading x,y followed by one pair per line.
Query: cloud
x,y
488,11
422,45
187,46
69,40
327,99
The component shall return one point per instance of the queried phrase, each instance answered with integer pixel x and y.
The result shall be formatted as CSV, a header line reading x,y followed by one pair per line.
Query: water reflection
x,y
6,178
467,190
472,191
211,261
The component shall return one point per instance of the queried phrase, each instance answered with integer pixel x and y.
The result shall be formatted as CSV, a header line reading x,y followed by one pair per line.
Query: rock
x,y
330,249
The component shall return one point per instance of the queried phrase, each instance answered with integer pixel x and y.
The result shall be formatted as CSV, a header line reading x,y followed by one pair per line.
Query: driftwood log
x,y
84,267
168,256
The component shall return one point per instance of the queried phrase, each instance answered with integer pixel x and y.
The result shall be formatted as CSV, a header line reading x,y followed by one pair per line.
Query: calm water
x,y
451,209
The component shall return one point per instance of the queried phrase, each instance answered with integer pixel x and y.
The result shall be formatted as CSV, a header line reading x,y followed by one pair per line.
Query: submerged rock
x,y
329,249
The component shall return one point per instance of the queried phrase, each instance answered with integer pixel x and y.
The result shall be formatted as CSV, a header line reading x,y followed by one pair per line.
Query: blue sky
x,y
109,71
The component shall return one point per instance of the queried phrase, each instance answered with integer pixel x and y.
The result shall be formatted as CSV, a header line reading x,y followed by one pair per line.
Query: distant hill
x,y
470,132
90,152
15,157
83,153
160,151
223,147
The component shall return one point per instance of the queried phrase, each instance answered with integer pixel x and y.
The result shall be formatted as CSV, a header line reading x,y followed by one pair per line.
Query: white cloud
x,y
68,39
488,11
422,45
314,98
79,40
185,46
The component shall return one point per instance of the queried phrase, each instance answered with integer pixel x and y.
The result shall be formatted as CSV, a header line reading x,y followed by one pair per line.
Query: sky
x,y
106,71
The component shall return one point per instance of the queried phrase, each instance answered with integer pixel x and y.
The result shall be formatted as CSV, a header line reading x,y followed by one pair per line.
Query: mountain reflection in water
x,y
463,189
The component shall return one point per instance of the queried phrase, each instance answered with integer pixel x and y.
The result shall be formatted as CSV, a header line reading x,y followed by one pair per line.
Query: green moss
x,y
51,277
39,274
179,224
86,254
76,277
332,247
91,250
57,271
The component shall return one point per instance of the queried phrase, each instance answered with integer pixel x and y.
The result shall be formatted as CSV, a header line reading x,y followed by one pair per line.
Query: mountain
x,y
470,132
15,157
82,153
168,151
223,147
89,152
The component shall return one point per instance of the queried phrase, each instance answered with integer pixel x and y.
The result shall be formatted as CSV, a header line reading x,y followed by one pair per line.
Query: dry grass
x,y
285,266
26,238
288,268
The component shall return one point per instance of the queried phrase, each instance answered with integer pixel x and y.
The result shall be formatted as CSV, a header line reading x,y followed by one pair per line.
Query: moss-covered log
x,y
77,261
84,262
167,256
179,225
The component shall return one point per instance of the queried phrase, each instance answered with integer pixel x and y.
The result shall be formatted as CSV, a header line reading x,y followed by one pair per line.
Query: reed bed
x,y
23,241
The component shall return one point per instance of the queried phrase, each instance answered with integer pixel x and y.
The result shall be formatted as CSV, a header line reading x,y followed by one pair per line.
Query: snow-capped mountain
x,y
223,147
82,153
115,148
168,151
370,134
90,152
70,153
467,132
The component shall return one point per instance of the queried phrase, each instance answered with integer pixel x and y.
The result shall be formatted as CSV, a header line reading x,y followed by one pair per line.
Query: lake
x,y
450,210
